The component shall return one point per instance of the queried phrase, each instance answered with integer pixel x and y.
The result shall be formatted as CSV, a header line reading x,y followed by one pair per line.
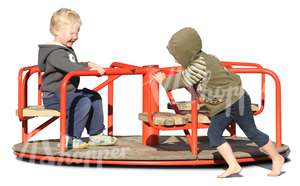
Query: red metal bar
x,y
24,131
173,102
123,65
194,113
230,65
22,103
262,103
177,111
111,92
232,129
39,88
22,87
124,71
22,97
107,82
277,94
150,105
41,127
240,64
110,111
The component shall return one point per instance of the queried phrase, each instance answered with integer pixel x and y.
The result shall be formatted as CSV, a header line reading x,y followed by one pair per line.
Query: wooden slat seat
x,y
39,111
202,118
185,107
165,118
171,119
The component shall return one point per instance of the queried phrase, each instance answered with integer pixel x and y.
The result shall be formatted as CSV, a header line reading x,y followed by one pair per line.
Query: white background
x,y
136,32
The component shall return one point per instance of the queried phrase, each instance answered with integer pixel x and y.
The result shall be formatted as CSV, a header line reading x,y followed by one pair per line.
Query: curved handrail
x,y
230,64
277,99
22,87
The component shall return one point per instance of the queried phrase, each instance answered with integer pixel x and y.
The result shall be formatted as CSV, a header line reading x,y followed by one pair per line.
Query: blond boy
x,y
56,59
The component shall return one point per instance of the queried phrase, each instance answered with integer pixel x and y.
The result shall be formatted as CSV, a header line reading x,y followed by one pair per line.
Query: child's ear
x,y
57,31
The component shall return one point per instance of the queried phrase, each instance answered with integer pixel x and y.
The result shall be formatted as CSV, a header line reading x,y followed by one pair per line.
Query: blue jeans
x,y
84,110
239,112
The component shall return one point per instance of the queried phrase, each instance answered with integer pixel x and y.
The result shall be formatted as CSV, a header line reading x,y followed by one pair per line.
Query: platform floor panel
x,y
131,148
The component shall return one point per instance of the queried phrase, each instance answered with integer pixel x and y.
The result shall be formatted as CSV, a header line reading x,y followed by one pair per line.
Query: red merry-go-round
x,y
149,148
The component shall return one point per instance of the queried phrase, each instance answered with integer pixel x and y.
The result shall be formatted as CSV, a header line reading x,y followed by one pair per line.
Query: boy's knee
x,y
215,138
212,133
84,104
259,138
95,96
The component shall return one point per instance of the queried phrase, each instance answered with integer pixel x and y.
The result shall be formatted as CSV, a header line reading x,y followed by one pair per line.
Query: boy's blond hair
x,y
63,17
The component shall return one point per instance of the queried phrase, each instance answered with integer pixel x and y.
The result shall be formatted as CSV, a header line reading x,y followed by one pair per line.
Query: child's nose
x,y
75,36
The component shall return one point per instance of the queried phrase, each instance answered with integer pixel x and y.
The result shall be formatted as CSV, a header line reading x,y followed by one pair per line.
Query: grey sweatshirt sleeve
x,y
173,82
65,61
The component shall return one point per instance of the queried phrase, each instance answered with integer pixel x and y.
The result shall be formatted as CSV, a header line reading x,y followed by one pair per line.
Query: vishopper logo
x,y
48,151
221,92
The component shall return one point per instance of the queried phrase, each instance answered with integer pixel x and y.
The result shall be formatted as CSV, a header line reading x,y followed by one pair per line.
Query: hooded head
x,y
184,45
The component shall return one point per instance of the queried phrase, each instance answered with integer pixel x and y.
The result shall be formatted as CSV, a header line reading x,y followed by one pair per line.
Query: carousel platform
x,y
171,151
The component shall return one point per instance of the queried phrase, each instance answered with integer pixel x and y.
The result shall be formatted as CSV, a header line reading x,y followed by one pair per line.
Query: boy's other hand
x,y
94,66
91,64
159,77
99,69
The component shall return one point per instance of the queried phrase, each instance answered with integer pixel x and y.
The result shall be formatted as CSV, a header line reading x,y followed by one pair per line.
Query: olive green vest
x,y
221,88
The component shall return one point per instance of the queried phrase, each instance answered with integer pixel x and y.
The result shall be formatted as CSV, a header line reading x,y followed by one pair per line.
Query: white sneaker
x,y
78,144
102,140
74,143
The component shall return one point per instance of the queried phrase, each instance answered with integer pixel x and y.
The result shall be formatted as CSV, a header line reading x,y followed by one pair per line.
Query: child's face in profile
x,y
68,35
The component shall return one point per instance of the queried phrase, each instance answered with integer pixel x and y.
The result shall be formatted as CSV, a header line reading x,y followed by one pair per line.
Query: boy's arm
x,y
195,73
65,61
171,82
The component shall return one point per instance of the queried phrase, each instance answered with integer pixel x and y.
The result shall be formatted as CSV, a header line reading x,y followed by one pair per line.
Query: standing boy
x,y
222,93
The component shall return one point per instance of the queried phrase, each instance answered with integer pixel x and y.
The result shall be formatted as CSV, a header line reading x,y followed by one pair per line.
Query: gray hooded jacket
x,y
55,62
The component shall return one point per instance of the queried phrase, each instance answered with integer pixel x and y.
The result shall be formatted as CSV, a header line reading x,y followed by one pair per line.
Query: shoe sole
x,y
114,141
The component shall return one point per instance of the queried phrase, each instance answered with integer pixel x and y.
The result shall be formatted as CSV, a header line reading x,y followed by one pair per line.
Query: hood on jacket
x,y
184,45
44,51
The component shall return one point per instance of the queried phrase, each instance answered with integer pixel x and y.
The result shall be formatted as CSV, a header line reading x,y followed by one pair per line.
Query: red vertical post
x,y
194,145
150,104
110,108
24,104
278,110
63,114
232,129
24,131
39,88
